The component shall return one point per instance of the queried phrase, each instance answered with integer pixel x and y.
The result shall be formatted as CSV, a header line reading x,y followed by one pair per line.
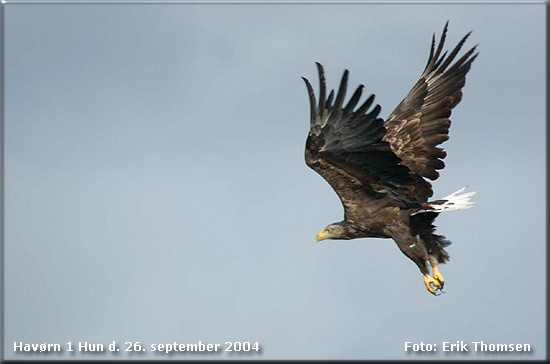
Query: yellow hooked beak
x,y
322,236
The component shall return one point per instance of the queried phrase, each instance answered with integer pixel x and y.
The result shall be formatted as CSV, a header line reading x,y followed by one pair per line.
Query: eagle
x,y
380,169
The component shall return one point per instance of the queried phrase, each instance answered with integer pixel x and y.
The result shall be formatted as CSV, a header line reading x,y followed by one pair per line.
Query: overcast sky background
x,y
155,188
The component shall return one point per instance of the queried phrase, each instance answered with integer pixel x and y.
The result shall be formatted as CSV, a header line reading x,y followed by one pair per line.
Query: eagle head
x,y
337,230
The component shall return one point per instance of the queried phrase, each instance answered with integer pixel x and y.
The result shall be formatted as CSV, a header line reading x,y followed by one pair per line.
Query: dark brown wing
x,y
421,121
345,146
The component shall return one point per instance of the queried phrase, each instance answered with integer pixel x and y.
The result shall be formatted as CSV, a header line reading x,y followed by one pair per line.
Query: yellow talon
x,y
437,276
432,285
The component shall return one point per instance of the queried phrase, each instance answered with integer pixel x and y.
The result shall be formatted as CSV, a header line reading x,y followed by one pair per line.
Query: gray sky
x,y
155,188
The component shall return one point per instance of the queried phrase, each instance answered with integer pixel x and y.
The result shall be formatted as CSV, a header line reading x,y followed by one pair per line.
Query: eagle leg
x,y
438,276
432,285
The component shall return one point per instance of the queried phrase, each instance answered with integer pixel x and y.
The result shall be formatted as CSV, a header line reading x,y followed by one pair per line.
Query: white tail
x,y
456,201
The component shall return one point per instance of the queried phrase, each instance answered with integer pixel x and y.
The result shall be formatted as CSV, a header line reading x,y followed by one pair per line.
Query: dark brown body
x,y
413,234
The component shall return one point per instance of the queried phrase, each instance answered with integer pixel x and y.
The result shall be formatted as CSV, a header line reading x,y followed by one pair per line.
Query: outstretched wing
x,y
345,146
421,121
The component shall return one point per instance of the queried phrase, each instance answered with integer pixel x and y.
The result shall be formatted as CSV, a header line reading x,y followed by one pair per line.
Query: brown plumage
x,y
380,169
